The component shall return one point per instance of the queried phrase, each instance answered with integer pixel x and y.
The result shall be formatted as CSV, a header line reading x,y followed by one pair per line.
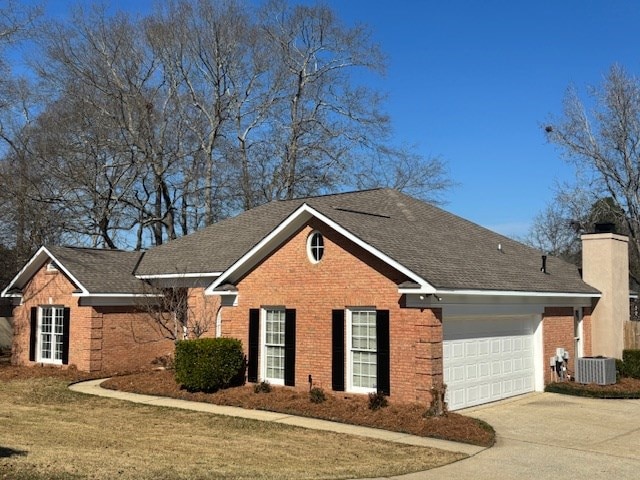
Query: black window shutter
x,y
337,355
383,366
254,344
290,347
66,317
33,334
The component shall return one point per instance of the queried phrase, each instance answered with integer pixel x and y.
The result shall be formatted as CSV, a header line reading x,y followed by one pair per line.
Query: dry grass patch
x,y
49,432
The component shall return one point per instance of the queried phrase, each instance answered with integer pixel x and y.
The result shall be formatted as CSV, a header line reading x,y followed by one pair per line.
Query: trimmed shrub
x,y
631,363
579,390
262,387
438,406
316,395
377,400
620,372
209,364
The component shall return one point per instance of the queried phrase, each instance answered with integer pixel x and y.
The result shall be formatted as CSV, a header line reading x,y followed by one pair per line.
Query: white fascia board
x,y
178,275
297,218
512,293
35,263
417,291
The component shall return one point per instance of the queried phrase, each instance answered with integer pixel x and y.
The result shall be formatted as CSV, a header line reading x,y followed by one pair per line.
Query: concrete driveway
x,y
551,436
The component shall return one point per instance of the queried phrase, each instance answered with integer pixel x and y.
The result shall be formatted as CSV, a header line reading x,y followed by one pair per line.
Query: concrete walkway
x,y
92,387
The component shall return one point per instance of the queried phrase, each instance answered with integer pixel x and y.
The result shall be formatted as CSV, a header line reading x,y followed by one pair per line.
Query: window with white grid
x,y
363,349
274,345
51,334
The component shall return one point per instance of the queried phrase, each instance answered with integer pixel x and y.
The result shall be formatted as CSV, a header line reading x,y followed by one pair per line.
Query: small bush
x,y
591,391
209,364
317,395
377,400
438,406
630,363
262,387
620,372
165,362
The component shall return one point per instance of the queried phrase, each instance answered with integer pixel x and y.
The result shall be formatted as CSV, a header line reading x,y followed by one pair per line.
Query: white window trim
x,y
579,342
263,347
350,387
312,259
52,266
219,323
39,358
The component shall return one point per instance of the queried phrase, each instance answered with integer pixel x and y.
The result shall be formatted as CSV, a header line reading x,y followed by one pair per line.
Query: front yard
x,y
345,408
49,432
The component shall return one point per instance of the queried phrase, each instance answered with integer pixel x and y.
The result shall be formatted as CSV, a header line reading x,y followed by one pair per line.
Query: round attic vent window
x,y
315,247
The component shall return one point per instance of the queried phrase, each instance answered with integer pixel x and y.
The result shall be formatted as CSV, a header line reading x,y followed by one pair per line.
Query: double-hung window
x,y
360,358
274,345
271,355
362,343
51,335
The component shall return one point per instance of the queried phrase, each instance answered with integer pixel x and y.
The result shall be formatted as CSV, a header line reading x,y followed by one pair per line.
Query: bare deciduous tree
x,y
178,313
603,142
152,127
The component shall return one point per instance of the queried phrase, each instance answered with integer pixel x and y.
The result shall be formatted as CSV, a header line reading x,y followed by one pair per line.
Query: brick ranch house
x,y
353,292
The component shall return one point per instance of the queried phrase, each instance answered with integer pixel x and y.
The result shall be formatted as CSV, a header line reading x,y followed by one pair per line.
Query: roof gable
x,y
288,226
93,271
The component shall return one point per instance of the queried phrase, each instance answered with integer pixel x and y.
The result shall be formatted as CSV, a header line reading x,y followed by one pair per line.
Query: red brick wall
x,y
347,276
558,332
203,311
52,288
101,338
130,340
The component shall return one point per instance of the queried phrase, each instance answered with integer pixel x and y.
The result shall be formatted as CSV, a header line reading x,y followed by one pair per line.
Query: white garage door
x,y
487,359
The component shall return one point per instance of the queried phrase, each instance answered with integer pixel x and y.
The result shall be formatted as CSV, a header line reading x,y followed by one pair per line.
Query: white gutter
x,y
178,275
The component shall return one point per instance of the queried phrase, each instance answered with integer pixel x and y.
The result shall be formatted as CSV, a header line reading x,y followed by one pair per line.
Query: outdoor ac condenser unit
x,y
599,370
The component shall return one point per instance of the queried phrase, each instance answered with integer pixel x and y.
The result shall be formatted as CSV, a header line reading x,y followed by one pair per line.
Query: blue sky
x,y
473,81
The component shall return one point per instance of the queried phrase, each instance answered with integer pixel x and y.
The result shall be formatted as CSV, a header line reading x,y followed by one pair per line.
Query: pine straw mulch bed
x,y
10,372
624,388
352,409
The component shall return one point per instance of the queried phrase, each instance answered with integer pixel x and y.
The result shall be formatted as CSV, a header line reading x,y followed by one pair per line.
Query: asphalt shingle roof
x,y
101,271
444,249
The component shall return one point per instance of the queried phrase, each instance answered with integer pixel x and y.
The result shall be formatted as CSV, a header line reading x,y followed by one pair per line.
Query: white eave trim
x,y
301,214
37,259
178,275
417,291
512,293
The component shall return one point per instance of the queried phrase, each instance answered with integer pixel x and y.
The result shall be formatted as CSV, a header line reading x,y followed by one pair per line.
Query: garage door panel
x,y
507,367
496,389
458,374
470,349
486,360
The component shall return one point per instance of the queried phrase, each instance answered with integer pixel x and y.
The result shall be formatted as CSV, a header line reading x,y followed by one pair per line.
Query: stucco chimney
x,y
605,266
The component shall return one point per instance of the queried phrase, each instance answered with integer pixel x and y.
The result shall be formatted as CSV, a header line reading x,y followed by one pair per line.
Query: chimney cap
x,y
605,227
